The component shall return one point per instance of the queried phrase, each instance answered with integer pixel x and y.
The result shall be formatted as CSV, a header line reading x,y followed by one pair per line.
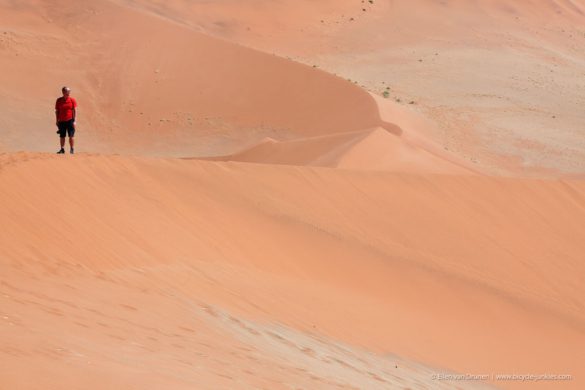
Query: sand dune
x,y
432,268
140,94
313,234
499,77
400,146
371,149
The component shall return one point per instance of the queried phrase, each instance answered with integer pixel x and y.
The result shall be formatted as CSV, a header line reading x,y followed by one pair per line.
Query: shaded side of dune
x,y
371,149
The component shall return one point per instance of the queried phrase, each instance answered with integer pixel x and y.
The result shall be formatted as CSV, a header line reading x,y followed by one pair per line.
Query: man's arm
x,y
74,109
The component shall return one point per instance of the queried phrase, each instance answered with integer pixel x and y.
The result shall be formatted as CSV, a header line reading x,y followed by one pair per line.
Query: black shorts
x,y
66,128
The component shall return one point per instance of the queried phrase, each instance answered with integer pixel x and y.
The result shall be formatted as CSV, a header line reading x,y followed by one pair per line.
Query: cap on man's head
x,y
65,89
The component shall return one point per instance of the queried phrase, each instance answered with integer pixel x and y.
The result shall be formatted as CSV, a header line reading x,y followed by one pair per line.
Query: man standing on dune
x,y
65,113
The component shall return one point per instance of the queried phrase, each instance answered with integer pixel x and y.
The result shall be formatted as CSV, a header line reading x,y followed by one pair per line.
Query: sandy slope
x,y
504,80
400,147
153,87
346,250
199,96
471,274
370,149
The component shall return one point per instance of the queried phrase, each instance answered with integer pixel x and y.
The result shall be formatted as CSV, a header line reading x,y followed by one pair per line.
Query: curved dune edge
x,y
371,149
163,273
449,267
138,94
397,145
497,76
219,95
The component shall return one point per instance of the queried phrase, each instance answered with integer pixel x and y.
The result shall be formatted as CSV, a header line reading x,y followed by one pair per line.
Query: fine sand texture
x,y
503,80
240,215
129,267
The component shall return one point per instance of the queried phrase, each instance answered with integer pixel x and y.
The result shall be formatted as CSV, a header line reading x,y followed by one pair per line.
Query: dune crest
x,y
283,194
497,76
370,149
140,95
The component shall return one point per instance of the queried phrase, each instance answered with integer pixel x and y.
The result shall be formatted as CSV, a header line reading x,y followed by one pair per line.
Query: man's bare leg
x,y
62,141
71,143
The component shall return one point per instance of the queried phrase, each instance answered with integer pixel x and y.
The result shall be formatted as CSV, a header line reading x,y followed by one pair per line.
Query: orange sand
x,y
235,219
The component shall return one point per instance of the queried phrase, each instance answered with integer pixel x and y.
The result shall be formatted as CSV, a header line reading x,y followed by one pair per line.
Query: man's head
x,y
66,91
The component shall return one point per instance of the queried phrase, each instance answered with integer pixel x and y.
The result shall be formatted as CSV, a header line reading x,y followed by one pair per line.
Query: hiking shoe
x,y
62,151
71,151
